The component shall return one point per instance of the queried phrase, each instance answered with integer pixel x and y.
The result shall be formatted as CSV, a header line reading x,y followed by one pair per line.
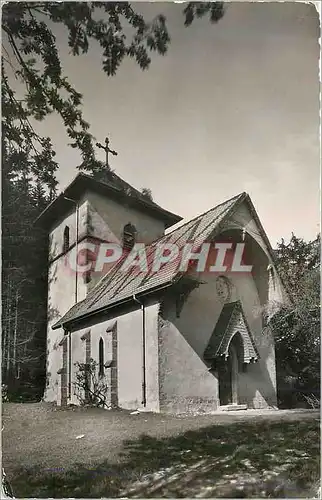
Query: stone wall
x,y
99,219
123,353
105,213
185,379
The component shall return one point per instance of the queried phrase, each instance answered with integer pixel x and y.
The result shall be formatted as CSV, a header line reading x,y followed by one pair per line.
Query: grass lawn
x,y
222,455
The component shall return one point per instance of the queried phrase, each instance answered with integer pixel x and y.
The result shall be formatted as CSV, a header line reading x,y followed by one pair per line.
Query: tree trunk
x,y
15,336
8,329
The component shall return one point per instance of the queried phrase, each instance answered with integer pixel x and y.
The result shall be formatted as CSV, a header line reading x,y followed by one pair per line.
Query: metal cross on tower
x,y
106,149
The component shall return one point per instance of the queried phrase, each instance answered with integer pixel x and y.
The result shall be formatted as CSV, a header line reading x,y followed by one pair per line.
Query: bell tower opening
x,y
129,236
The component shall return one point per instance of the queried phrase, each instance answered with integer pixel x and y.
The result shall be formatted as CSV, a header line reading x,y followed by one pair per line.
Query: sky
x,y
232,107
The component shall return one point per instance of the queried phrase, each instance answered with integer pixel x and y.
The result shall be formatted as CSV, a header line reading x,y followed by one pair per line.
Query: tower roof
x,y
114,187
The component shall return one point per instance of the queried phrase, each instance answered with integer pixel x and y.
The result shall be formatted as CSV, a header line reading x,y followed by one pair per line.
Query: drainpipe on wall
x,y
76,246
76,243
70,364
76,298
143,351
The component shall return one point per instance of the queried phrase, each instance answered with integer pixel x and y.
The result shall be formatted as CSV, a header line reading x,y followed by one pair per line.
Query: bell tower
x,y
88,211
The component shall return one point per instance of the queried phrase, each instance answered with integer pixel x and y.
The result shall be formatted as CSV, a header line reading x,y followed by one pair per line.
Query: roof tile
x,y
118,284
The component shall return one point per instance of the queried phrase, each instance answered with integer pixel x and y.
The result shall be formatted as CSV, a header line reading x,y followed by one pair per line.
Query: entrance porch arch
x,y
228,371
230,349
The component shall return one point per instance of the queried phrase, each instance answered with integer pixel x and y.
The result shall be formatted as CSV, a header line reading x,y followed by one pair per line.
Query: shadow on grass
x,y
257,459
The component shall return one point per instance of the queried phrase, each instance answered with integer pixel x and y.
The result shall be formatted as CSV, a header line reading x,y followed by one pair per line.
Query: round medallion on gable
x,y
223,287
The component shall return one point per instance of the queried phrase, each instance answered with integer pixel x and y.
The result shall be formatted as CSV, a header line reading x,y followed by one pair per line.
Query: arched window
x,y
66,239
101,357
129,235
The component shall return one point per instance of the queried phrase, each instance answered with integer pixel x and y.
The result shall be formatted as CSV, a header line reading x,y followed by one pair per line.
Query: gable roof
x,y
114,187
231,321
118,286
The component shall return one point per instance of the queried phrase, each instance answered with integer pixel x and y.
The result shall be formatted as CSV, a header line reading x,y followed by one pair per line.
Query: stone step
x,y
232,407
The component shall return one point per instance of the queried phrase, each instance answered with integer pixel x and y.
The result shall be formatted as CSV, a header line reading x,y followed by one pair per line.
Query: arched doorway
x,y
228,372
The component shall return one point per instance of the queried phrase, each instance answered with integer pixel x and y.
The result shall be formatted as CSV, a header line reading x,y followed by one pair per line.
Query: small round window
x,y
223,288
